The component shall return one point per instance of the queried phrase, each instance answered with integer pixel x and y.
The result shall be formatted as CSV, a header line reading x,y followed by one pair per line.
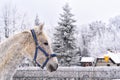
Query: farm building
x,y
113,59
87,61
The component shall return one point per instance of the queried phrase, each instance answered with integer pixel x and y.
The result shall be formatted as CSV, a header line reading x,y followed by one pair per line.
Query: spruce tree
x,y
37,21
64,41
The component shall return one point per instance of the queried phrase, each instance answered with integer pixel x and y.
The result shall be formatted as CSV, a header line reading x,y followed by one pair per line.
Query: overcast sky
x,y
85,11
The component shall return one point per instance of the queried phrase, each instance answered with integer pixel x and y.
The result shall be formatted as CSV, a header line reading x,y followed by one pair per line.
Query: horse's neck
x,y
9,67
11,57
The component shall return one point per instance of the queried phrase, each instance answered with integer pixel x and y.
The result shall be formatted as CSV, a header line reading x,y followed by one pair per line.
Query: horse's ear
x,y
39,29
41,26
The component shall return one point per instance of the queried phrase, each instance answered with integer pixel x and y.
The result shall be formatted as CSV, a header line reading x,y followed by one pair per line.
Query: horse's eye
x,y
46,43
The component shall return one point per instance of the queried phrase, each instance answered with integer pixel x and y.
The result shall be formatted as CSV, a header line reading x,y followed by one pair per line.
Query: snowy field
x,y
69,73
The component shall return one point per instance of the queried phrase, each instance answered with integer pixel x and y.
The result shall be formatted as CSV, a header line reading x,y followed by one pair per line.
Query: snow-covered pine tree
x,y
64,41
37,21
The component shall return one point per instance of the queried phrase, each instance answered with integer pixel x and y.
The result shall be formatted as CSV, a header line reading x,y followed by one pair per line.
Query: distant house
x,y
114,60
87,61
101,62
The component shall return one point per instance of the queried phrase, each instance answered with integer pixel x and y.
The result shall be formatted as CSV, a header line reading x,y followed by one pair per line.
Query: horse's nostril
x,y
53,67
56,65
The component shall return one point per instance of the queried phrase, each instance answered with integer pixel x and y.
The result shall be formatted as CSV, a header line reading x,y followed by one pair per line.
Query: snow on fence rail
x,y
69,73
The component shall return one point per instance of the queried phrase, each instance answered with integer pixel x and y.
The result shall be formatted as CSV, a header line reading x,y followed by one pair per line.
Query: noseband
x,y
38,47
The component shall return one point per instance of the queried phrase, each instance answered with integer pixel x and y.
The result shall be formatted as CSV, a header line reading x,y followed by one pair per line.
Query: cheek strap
x,y
38,47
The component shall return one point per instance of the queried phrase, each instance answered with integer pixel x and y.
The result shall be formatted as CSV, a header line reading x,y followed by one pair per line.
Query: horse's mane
x,y
5,45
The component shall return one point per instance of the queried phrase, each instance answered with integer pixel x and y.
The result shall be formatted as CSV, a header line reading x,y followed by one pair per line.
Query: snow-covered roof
x,y
87,59
115,57
101,56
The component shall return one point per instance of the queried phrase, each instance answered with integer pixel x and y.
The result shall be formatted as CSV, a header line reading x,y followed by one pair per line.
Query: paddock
x,y
68,73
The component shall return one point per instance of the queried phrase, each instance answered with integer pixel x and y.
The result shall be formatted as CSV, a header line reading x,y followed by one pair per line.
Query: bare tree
x,y
23,23
14,18
12,21
6,19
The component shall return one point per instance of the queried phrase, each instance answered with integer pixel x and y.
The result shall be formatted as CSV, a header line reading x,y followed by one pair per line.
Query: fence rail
x,y
68,73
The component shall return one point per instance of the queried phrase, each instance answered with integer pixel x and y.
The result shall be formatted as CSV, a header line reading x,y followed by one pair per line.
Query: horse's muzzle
x,y
53,67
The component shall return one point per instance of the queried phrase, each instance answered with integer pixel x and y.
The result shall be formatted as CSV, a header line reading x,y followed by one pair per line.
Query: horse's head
x,y
42,40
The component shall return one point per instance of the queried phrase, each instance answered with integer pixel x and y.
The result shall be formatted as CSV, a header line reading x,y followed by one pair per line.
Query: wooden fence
x,y
68,73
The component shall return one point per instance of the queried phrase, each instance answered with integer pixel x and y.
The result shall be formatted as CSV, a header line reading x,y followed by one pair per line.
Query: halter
x,y
38,47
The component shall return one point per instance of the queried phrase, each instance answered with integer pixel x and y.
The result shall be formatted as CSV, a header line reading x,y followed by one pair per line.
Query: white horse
x,y
14,49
